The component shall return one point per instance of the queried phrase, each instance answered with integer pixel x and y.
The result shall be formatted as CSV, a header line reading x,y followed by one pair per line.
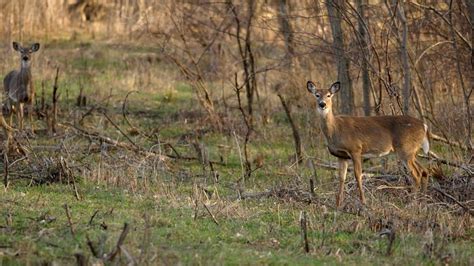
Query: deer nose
x,y
25,58
322,104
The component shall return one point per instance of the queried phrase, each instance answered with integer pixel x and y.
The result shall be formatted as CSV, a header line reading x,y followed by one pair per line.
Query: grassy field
x,y
71,196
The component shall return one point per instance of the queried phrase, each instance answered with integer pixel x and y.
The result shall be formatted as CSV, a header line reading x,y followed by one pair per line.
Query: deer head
x,y
323,97
25,52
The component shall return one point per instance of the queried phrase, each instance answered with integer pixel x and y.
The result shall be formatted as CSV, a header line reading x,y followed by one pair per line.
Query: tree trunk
x,y
406,92
466,92
365,55
286,30
335,8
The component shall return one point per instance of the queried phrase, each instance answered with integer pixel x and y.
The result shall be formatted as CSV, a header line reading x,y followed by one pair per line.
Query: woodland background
x,y
193,116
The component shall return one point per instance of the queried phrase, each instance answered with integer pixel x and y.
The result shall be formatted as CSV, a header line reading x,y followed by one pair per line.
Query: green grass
x,y
39,231
157,199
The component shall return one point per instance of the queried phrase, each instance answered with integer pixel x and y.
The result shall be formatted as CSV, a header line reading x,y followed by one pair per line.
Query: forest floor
x,y
149,181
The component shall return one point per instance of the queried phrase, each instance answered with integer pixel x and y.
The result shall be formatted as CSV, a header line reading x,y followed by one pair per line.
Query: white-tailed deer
x,y
19,88
354,138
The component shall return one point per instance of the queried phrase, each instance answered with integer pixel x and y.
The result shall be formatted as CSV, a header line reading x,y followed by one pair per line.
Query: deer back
x,y
377,135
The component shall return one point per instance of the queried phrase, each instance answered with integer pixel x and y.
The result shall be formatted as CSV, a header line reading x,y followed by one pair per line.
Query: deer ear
x,y
16,46
35,47
311,87
335,87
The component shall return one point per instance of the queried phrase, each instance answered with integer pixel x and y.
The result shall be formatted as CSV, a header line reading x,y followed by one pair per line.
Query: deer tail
x,y
426,143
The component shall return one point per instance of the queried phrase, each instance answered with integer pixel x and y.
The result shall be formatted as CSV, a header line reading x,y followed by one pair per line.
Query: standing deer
x,y
354,138
19,88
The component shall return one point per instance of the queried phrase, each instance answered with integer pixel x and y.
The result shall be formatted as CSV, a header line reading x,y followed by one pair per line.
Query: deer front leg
x,y
30,117
357,160
342,178
20,116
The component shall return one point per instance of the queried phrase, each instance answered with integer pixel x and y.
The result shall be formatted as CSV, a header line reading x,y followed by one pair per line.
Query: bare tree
x,y
466,92
406,91
286,30
362,28
335,8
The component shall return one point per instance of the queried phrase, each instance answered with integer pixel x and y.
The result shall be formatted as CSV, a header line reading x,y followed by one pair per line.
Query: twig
x,y
71,225
5,168
249,126
390,233
210,213
311,187
124,109
69,174
81,259
92,217
120,241
131,260
304,231
196,209
55,100
294,128
119,129
91,247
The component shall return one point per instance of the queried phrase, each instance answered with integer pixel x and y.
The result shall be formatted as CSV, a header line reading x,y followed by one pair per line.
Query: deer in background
x,y
19,88
354,138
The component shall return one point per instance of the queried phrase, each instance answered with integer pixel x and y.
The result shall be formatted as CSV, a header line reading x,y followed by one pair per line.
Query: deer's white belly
x,y
375,155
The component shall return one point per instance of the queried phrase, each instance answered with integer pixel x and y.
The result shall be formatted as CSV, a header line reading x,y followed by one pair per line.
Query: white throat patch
x,y
24,64
323,112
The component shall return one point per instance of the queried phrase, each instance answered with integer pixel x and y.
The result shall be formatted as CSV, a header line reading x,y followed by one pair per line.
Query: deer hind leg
x,y
409,161
423,174
357,160
343,164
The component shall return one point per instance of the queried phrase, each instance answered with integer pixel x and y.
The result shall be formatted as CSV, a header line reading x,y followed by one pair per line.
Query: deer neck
x,y
24,75
328,124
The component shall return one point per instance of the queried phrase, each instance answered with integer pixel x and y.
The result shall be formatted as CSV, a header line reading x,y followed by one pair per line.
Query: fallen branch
x,y
447,141
467,209
435,158
113,142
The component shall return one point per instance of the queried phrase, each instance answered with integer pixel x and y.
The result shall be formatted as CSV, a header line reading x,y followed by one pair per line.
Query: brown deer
x,y
19,88
354,138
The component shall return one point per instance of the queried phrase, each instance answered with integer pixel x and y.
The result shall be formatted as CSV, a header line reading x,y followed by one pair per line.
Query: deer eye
x,y
329,95
317,96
